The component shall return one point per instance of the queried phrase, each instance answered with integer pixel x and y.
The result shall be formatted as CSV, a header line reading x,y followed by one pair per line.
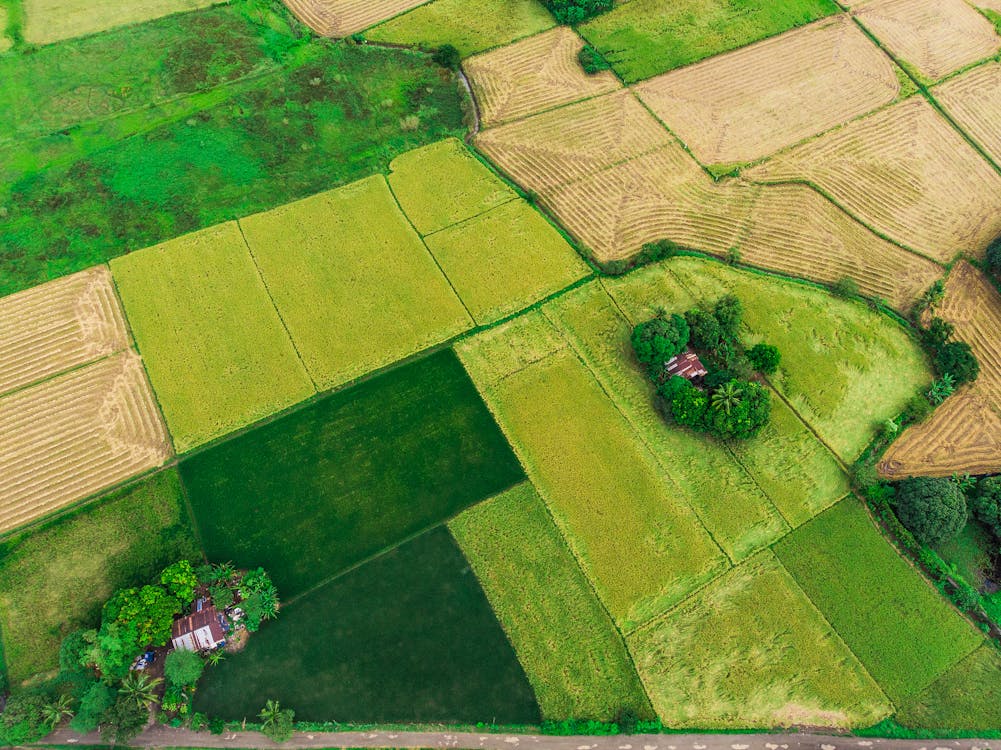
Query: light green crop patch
x,y
215,349
53,20
505,260
470,26
966,698
352,280
442,184
900,628
749,651
575,659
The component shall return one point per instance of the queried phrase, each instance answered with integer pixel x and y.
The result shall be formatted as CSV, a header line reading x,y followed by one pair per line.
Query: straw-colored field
x,y
907,173
974,101
75,435
49,21
533,75
344,17
751,650
54,327
356,288
937,37
750,103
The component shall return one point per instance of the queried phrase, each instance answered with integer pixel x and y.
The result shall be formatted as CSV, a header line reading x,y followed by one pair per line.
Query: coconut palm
x,y
276,722
140,688
215,657
727,397
56,710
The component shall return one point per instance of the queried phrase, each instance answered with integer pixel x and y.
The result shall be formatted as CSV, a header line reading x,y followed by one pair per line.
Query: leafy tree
x,y
98,699
985,503
182,667
727,397
112,649
57,709
180,581
577,11
956,359
447,56
746,418
277,722
140,688
937,334
150,610
23,719
73,653
845,287
685,403
706,333
592,61
657,340
123,721
931,508
765,358
941,389
729,312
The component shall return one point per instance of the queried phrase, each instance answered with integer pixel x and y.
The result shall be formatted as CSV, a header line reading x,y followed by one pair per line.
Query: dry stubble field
x,y
344,17
974,101
48,21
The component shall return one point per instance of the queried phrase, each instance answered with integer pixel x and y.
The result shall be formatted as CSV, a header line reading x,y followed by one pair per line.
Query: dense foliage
x,y
592,61
993,258
933,509
956,360
985,503
659,339
764,358
183,668
577,11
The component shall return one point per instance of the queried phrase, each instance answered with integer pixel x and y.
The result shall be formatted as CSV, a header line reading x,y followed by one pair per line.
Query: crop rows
x,y
974,101
344,17
54,327
75,435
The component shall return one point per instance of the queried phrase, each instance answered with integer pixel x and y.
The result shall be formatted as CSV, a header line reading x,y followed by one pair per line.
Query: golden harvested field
x,y
344,17
937,37
532,75
75,435
752,102
974,101
56,326
557,147
905,172
49,21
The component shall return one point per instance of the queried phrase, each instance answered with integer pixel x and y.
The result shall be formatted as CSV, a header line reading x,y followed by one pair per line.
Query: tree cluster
x,y
933,509
953,359
993,259
577,11
592,61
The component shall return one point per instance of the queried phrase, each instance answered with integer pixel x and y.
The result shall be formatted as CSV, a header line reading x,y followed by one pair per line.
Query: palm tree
x,y
140,688
215,657
727,397
56,710
276,722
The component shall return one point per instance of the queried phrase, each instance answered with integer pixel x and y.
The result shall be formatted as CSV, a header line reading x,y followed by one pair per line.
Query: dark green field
x,y
406,637
320,489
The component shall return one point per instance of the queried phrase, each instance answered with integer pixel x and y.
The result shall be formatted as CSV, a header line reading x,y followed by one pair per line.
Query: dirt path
x,y
161,736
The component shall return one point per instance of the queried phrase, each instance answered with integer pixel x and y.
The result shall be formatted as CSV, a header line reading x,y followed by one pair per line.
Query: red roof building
x,y
687,365
199,631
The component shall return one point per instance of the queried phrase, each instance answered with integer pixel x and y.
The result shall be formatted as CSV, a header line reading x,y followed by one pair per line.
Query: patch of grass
x,y
505,260
352,281
215,349
55,579
699,471
575,659
442,184
969,552
332,114
494,354
845,369
904,633
408,637
966,698
323,488
642,38
48,21
751,650
470,26
643,549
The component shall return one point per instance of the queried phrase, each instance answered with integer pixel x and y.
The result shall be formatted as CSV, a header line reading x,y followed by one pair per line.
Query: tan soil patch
x,y
964,434
938,37
750,103
54,327
344,17
907,173
974,101
75,435
538,73
994,5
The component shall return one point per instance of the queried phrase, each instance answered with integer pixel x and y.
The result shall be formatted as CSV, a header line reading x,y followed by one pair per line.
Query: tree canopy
x,y
659,339
933,509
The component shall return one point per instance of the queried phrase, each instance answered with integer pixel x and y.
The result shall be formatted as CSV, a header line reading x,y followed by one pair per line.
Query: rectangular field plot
x,y
845,369
344,17
905,172
967,698
468,25
937,37
321,489
751,650
974,101
533,75
215,348
57,326
442,184
752,102
75,435
56,579
354,284
575,659
505,260
407,637
900,628
740,517
53,20
638,541
642,38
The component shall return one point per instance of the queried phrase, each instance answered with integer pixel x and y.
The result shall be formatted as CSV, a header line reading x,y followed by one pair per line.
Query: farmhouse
x,y
200,631
687,365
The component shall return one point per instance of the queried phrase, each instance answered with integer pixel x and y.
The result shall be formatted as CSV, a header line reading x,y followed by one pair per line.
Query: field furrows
x,y
907,173
557,147
532,75
343,17
56,326
937,36
974,101
75,435
750,103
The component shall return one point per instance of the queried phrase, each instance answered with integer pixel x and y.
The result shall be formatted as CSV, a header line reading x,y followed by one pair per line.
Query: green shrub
x,y
98,699
577,11
931,508
183,668
845,287
123,721
993,258
765,358
657,340
447,56
592,61
957,360
918,408
276,722
937,334
23,719
941,389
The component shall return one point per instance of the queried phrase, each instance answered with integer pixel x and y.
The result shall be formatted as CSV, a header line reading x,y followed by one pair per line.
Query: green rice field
x,y
966,698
